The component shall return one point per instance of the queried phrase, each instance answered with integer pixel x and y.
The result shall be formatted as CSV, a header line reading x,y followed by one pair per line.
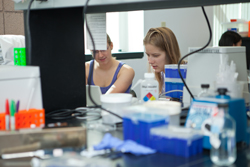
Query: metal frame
x,y
99,6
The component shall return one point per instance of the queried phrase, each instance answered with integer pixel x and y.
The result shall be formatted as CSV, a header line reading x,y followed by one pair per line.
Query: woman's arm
x,y
87,64
124,80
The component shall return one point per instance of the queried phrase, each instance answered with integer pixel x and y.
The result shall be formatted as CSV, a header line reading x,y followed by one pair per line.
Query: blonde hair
x,y
163,38
108,39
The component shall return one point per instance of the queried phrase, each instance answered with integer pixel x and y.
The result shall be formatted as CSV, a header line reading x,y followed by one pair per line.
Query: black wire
x,y
93,43
92,69
210,37
75,113
28,32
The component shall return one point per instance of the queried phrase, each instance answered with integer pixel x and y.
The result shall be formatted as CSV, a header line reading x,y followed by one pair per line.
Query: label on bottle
x,y
216,128
149,92
217,125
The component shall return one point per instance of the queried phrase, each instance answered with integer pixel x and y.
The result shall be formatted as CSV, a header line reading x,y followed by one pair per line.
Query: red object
x,y
2,121
7,108
233,20
30,118
248,28
25,119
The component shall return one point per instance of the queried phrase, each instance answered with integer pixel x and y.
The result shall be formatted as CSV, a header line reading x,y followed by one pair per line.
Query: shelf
x,y
100,6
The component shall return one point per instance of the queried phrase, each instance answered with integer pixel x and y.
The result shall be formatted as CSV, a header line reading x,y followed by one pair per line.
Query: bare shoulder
x,y
126,69
87,64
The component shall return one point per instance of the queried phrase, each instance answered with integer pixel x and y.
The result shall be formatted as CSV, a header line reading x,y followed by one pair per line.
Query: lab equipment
x,y
173,82
114,102
201,110
227,78
38,153
33,118
207,63
149,88
172,109
138,121
95,94
223,128
20,83
176,140
204,91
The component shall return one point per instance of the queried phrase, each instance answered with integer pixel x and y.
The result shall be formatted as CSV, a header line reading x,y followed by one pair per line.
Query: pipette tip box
x,y
177,141
136,126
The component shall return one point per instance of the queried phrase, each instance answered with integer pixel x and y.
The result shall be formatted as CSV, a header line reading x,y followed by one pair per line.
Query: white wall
x,y
188,24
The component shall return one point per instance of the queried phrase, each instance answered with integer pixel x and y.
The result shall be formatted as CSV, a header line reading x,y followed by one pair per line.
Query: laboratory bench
x,y
94,137
45,18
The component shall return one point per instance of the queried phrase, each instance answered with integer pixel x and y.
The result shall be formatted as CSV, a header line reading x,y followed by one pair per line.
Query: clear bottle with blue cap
x,y
223,141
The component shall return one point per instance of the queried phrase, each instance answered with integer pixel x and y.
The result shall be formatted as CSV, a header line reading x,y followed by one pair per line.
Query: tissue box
x,y
178,141
173,81
137,125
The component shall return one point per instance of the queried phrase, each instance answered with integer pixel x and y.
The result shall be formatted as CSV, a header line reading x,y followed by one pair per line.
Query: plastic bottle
x,y
149,88
204,91
223,151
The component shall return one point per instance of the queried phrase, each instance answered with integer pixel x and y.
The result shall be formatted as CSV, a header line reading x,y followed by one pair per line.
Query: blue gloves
x,y
128,146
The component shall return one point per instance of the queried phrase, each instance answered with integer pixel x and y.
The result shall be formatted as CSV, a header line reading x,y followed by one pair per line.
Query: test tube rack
x,y
19,56
33,118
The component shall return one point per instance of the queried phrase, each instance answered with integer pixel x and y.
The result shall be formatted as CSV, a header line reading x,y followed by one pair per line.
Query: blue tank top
x,y
105,89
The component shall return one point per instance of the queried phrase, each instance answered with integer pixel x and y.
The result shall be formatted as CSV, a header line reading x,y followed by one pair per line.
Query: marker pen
x,y
7,115
12,116
17,106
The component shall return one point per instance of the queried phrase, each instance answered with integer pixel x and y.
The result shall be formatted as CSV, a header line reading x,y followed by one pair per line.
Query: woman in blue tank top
x,y
110,74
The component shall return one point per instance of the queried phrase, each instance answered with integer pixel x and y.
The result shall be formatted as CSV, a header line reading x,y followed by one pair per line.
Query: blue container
x,y
173,81
176,140
136,126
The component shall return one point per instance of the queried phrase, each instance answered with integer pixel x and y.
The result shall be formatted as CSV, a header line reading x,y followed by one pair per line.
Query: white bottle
x,y
149,88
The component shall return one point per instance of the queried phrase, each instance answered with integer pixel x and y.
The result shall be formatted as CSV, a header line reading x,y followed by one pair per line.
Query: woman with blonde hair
x,y
111,75
162,48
